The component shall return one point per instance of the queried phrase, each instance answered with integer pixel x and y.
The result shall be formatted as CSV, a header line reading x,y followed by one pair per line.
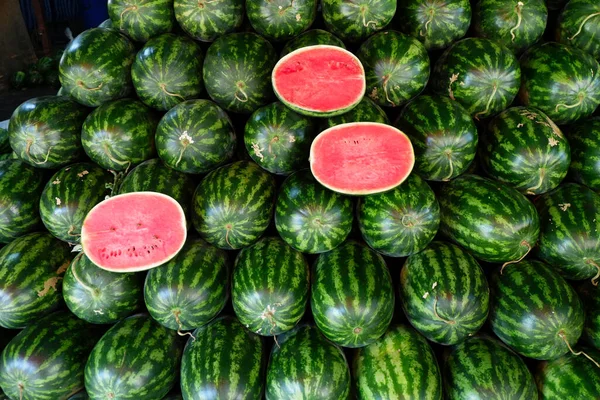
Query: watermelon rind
x,y
355,21
311,38
579,26
590,297
280,20
206,20
584,139
142,19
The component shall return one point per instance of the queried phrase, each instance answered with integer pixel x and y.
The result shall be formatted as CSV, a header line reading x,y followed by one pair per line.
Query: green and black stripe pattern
x,y
590,298
142,19
280,20
312,37
578,26
357,20
584,138
205,20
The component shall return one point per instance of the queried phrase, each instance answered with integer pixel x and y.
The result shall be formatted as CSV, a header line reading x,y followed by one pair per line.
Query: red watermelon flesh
x,y
134,231
319,80
361,158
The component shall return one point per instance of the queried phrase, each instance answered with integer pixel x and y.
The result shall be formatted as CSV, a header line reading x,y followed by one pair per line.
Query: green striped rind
x,y
514,24
137,359
401,221
311,218
206,20
31,273
96,67
305,365
270,287
45,360
20,188
352,298
444,293
525,149
278,138
311,38
590,298
484,368
69,195
233,205
99,296
534,310
191,289
355,21
280,20
584,138
195,137
365,111
562,81
400,365
119,134
579,26
142,19
225,361
4,142
443,135
237,71
396,67
480,74
436,24
45,131
494,222
570,231
167,71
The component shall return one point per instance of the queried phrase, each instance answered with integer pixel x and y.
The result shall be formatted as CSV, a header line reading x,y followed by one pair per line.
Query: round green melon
x,y
142,19
579,26
206,20
365,111
590,298
584,139
280,20
311,38
18,80
356,20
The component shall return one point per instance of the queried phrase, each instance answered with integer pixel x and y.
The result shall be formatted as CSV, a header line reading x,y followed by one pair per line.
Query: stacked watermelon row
x,y
483,263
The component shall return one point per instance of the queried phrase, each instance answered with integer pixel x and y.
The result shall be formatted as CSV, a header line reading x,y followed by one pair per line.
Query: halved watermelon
x,y
361,158
134,231
319,81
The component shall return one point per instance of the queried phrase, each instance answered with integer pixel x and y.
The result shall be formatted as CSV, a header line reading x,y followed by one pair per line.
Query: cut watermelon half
x,y
361,158
134,231
319,81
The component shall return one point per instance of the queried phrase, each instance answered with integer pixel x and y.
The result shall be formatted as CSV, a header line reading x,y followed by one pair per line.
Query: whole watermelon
x,y
579,26
365,111
45,64
206,20
280,20
96,67
18,79
142,19
45,132
356,20
584,138
590,297
237,71
168,71
311,38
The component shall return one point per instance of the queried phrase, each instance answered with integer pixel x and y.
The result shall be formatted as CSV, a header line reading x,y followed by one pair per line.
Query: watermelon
x,y
206,20
223,361
237,71
96,67
45,64
494,222
561,81
69,195
20,189
579,26
306,78
396,67
168,71
111,231
365,111
305,365
4,141
525,149
31,273
311,218
570,231
436,24
233,205
444,293
584,139
34,77
280,20
480,74
278,139
443,135
484,368
514,24
136,359
589,295
270,287
344,157
119,134
107,23
45,360
99,296
354,21
352,298
142,19
45,131
18,79
400,365
191,289
195,137
534,310
311,38
402,221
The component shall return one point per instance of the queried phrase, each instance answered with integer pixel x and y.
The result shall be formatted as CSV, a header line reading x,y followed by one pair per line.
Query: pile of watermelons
x,y
476,278
42,72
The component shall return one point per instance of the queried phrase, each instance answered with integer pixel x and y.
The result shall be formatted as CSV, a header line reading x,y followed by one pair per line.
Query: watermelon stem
x,y
201,3
82,85
240,89
268,315
449,155
163,87
111,158
366,24
27,151
228,229
487,106
116,182
583,23
449,322
581,97
564,338
519,20
407,224
177,313
21,387
453,79
130,8
258,151
532,190
185,140
86,287
595,278
431,13
386,78
523,243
